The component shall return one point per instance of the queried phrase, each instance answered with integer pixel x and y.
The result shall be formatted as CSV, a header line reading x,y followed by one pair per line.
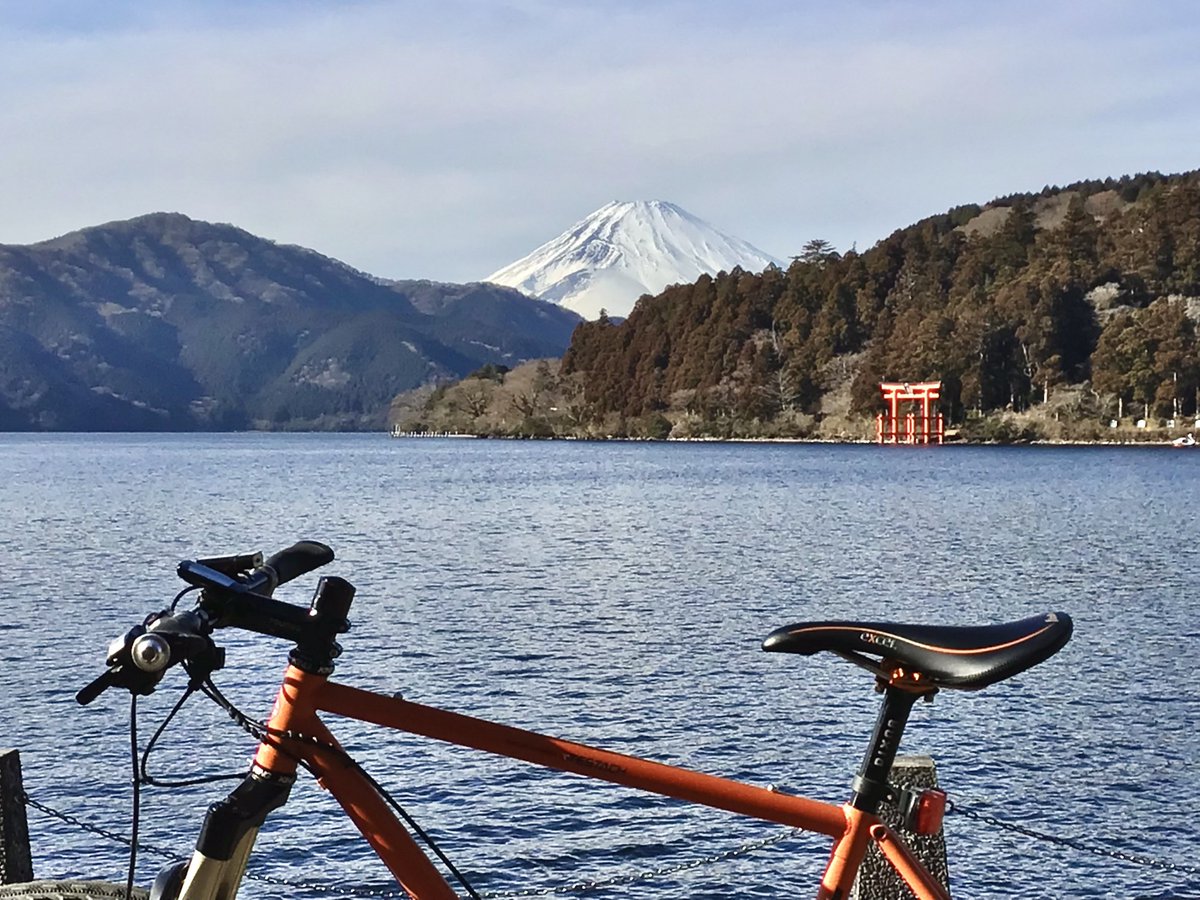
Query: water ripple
x,y
616,595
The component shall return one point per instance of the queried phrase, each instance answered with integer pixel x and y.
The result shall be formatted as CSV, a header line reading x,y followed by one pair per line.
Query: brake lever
x,y
116,658
124,675
138,659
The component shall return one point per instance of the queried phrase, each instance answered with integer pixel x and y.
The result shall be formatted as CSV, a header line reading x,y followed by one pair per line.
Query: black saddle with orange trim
x,y
966,658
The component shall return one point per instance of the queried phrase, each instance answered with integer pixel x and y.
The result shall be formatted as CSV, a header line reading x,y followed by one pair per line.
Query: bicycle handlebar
x,y
231,597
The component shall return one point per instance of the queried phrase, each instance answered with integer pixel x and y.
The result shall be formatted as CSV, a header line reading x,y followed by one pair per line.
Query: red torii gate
x,y
923,429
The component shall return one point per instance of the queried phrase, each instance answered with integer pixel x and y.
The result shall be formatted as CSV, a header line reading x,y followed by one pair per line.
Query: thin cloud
x,y
444,140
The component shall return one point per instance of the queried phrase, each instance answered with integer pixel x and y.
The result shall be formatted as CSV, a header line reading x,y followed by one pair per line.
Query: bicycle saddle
x,y
966,658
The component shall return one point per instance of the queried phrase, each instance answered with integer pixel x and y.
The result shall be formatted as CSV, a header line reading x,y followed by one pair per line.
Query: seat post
x,y
871,783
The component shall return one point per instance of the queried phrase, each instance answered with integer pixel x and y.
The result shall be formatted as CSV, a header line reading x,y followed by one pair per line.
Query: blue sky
x,y
445,139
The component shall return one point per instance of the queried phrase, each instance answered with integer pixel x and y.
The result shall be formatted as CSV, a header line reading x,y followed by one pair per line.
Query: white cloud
x,y
445,139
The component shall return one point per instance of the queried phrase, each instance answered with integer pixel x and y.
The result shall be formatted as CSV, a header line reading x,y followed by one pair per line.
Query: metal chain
x,y
577,887
169,854
648,874
358,890
1134,858
635,877
93,829
385,893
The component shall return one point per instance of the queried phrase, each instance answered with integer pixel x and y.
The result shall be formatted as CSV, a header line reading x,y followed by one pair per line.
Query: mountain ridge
x,y
164,322
625,249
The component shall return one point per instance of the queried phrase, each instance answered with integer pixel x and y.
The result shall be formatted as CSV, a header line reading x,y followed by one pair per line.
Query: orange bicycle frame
x,y
304,694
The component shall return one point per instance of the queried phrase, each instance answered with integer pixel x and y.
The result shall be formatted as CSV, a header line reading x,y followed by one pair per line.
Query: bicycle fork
x,y
230,829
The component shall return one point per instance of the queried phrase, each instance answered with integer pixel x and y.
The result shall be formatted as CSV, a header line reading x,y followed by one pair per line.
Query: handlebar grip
x,y
298,559
96,688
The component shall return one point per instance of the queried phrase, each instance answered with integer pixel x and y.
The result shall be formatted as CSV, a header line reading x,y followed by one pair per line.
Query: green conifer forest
x,y
1044,315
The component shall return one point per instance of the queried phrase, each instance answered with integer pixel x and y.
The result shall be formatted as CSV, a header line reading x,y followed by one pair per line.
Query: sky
x,y
446,139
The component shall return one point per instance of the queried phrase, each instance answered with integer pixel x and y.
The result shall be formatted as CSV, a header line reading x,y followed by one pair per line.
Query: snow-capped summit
x,y
623,250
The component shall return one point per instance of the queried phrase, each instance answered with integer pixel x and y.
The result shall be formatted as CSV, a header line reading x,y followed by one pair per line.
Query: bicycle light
x,y
922,810
150,653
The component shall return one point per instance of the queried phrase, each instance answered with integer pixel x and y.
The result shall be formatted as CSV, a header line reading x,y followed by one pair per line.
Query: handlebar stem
x,y
317,648
232,597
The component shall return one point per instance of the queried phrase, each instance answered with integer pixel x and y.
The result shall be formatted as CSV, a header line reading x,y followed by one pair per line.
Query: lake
x,y
617,594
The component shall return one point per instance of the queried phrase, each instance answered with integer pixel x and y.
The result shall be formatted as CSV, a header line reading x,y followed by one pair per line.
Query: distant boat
x,y
1188,440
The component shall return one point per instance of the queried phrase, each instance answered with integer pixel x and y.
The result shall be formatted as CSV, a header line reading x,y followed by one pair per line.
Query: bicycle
x,y
908,662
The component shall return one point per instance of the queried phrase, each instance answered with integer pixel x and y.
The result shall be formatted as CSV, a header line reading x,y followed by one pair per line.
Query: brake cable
x,y
201,680
137,796
181,595
203,683
261,731
147,778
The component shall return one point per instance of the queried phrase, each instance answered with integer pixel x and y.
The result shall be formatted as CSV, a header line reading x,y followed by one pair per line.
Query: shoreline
x,y
1166,443
863,442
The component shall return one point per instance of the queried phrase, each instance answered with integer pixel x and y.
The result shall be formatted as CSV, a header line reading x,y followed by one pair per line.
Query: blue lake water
x,y
617,594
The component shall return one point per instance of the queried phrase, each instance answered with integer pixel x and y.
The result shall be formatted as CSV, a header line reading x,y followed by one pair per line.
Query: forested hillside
x,y
167,323
1090,289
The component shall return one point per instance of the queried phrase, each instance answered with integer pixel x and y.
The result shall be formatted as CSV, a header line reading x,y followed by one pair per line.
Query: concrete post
x,y
16,862
876,878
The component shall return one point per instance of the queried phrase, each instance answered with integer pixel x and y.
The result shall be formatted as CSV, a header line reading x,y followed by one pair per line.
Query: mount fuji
x,y
623,250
